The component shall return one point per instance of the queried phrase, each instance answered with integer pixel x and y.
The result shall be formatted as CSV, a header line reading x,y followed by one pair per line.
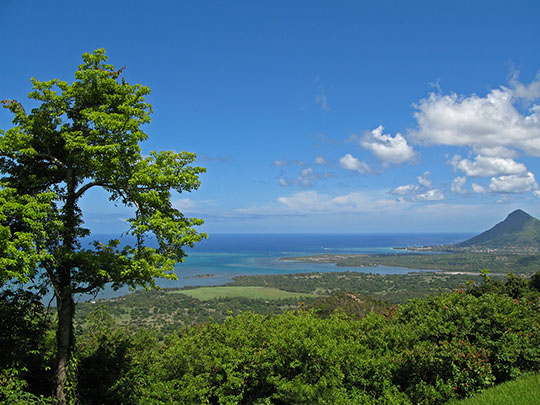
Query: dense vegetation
x,y
427,351
393,288
454,262
166,311
169,309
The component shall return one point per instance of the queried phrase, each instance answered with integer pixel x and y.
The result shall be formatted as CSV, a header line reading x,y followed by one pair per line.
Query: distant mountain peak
x,y
519,213
518,231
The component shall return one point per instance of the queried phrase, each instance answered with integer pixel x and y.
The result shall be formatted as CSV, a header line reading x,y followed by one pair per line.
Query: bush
x,y
428,351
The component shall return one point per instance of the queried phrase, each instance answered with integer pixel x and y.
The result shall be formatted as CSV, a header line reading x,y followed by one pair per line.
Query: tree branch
x,y
88,288
54,283
52,159
86,187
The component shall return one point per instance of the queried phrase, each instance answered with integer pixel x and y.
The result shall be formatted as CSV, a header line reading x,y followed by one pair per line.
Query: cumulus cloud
x,y
307,178
457,184
389,149
430,195
407,189
497,151
490,123
412,192
349,162
424,180
485,166
320,160
423,191
513,183
527,92
477,188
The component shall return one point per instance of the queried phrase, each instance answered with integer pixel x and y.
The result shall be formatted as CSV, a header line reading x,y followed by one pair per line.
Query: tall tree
x,y
81,136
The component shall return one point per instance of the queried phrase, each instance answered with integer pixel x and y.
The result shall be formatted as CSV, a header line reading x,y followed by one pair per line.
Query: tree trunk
x,y
64,296
64,341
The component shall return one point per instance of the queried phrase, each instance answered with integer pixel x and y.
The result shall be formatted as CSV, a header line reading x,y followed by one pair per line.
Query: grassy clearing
x,y
523,391
266,293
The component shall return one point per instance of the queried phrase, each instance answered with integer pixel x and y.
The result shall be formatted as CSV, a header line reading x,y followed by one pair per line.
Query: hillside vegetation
x,y
458,262
427,351
518,231
169,309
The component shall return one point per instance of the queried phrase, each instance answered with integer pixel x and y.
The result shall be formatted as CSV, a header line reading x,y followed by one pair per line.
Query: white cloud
x,y
320,160
513,183
280,163
184,204
482,123
406,189
424,181
391,150
536,193
497,151
457,184
527,92
349,162
430,195
423,191
307,178
477,188
485,166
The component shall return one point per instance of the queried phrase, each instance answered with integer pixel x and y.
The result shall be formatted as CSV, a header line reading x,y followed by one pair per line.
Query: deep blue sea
x,y
224,256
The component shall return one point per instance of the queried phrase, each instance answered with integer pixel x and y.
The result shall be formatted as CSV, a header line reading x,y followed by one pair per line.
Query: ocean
x,y
221,257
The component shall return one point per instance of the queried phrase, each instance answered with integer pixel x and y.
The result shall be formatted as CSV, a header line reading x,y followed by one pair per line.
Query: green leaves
x,y
25,226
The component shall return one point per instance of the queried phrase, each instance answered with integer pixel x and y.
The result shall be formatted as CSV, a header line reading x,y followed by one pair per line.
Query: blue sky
x,y
314,116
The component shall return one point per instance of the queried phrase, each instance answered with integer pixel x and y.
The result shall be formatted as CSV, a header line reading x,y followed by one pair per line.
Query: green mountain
x,y
518,231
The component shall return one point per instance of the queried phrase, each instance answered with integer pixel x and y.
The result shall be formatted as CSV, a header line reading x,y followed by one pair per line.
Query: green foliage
x,y
265,293
498,262
25,358
355,307
14,390
428,351
392,288
167,310
109,360
291,358
24,219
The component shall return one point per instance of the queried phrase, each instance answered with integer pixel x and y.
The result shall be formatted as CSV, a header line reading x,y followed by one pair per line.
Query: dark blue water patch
x,y
321,243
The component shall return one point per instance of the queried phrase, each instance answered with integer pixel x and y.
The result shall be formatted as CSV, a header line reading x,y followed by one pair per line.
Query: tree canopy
x,y
82,136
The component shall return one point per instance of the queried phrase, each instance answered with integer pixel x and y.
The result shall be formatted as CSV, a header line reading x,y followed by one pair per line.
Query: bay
x,y
217,260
